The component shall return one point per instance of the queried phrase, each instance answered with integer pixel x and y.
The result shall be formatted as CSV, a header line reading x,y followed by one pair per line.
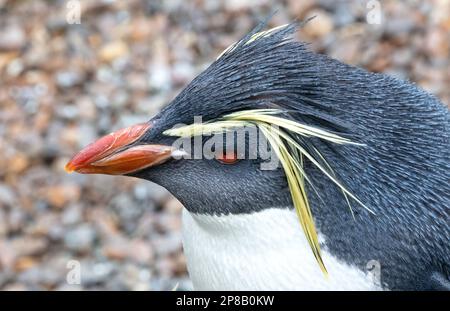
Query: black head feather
x,y
272,71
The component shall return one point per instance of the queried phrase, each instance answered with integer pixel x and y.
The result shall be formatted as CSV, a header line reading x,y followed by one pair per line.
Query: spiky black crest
x,y
269,71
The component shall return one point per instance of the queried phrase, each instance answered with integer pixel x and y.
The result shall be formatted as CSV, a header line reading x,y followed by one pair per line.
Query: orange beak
x,y
114,153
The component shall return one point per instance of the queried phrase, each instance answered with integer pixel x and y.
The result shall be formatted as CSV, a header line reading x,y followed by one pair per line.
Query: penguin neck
x,y
265,250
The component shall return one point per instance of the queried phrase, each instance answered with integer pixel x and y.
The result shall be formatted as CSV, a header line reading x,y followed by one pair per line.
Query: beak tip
x,y
69,168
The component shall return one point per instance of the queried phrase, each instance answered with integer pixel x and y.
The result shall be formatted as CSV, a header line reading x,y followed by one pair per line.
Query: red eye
x,y
228,157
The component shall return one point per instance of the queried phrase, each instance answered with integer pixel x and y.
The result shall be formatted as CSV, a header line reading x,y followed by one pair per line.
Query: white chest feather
x,y
261,251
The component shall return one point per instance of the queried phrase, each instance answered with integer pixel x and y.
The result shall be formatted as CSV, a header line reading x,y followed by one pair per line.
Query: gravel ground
x,y
63,85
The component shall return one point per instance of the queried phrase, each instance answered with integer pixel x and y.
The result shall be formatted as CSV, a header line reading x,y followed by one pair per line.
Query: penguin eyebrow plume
x,y
257,33
285,138
252,38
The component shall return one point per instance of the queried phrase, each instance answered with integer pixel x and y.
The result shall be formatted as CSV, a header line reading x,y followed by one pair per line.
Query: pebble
x,y
113,50
130,119
16,220
87,109
67,112
182,73
13,38
167,244
126,208
7,196
72,214
67,79
80,239
87,134
36,277
15,68
320,26
157,193
437,43
141,252
135,278
93,273
28,246
17,163
60,195
4,225
159,77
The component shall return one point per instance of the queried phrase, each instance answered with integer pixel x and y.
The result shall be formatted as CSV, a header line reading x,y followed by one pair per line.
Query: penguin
x,y
241,228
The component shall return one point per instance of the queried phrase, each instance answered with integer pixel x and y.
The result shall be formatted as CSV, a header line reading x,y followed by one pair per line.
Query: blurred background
x,y
64,84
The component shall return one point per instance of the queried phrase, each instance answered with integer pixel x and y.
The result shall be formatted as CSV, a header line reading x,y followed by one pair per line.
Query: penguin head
x,y
263,70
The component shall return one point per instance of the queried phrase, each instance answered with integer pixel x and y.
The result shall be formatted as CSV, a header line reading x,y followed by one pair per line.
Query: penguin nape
x,y
241,228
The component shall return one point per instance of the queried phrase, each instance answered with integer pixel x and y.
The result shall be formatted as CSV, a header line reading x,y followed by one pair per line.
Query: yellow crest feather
x,y
289,152
255,37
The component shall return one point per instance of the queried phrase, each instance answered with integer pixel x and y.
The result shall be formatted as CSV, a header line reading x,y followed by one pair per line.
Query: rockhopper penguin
x,y
364,179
